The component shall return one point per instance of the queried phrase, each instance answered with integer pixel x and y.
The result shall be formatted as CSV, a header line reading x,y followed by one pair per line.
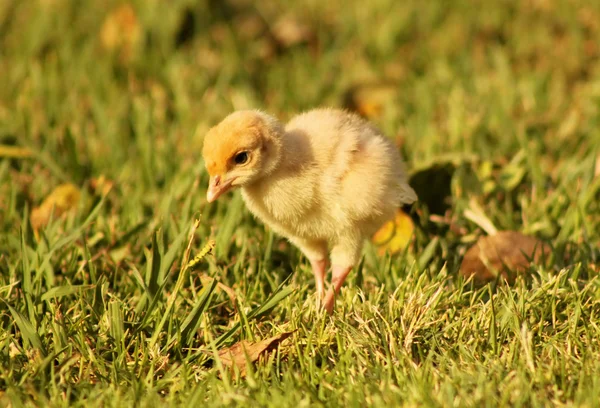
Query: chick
x,y
326,181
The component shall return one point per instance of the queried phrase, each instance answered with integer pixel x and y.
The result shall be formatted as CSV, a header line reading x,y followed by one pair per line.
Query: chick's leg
x,y
316,252
344,256
339,274
319,266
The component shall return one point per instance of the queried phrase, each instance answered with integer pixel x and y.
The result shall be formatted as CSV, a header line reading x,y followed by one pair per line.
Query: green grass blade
x,y
27,330
66,290
190,325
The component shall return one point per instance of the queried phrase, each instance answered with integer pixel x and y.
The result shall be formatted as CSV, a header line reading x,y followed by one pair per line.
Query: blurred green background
x,y
121,89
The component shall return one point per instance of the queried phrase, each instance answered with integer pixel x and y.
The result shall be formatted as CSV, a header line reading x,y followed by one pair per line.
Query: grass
x,y
495,105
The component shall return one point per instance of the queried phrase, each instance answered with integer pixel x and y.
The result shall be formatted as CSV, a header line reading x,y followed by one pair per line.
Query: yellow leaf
x,y
385,233
62,199
394,235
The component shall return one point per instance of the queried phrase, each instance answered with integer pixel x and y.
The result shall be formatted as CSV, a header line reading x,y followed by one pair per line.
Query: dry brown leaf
x,y
507,253
395,234
62,199
236,354
121,31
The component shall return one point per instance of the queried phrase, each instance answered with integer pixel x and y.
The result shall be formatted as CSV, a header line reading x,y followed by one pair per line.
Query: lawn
x,y
495,106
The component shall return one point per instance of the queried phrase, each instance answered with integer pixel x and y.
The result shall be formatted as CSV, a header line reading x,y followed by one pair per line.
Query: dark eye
x,y
241,158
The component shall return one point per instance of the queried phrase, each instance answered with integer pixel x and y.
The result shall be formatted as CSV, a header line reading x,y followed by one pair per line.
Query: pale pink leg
x,y
316,252
339,275
319,267
344,254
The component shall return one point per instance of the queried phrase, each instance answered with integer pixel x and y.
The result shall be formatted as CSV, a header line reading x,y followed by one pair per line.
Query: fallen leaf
x,y
506,253
63,198
245,350
395,234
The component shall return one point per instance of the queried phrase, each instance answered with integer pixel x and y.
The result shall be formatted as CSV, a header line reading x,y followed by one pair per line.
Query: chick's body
x,y
337,181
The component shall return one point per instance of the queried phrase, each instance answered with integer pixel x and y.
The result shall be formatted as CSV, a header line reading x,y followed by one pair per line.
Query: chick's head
x,y
242,149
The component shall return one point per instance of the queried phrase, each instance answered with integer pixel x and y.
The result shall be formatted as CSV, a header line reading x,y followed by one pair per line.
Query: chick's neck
x,y
294,153
291,155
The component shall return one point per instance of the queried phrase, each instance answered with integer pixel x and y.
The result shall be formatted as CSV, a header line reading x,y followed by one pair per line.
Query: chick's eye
x,y
241,158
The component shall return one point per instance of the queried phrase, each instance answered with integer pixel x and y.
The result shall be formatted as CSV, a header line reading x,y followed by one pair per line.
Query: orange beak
x,y
216,187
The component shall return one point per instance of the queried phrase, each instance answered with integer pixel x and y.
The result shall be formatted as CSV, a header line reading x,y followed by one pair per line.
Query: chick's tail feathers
x,y
406,194
403,191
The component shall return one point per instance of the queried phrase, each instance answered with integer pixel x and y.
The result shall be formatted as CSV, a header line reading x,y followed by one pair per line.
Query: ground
x,y
495,105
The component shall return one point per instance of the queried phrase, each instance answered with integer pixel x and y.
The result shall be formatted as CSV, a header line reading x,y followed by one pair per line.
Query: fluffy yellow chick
x,y
326,181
